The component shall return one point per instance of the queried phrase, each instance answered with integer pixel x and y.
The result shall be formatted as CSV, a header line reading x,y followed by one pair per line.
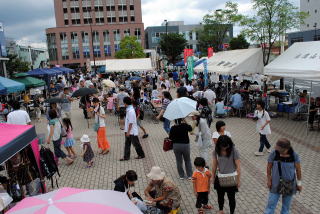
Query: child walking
x,y
201,184
110,104
87,152
69,142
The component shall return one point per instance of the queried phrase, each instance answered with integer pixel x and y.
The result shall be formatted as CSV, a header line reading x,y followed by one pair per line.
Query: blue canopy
x,y
44,72
180,63
200,61
3,90
63,70
11,86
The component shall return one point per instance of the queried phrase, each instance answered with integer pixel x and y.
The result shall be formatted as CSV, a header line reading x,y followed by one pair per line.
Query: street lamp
x,y
94,58
315,31
166,21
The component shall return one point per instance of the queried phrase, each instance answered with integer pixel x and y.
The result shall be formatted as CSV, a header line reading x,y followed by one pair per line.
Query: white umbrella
x,y
108,83
77,201
180,108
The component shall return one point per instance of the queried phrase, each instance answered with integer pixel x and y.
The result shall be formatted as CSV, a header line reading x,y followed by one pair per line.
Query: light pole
x,y
166,21
315,31
94,58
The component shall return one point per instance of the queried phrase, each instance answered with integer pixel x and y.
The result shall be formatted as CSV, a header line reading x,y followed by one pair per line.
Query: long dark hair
x,y
167,95
67,123
224,142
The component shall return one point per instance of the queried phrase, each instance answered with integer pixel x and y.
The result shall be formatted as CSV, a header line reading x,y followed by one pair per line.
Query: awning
x,y
11,86
13,138
235,62
300,61
44,72
30,82
127,65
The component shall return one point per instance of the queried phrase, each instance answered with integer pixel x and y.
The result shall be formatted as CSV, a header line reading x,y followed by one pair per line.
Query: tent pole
x,y
309,108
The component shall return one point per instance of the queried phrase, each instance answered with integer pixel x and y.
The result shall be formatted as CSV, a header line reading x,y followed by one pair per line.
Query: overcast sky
x,y
26,20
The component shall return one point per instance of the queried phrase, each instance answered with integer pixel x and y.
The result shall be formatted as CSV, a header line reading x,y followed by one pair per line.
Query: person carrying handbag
x,y
284,176
226,172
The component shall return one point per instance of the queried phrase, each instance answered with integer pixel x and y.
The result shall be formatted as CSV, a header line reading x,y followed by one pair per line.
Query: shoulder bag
x,y
227,180
96,126
285,187
167,144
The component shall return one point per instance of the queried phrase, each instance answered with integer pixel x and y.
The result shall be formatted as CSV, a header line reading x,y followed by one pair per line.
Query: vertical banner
x,y
205,72
190,67
210,52
186,54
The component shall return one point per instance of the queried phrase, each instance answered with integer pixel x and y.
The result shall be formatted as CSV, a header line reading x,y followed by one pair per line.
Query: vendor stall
x,y
11,86
30,82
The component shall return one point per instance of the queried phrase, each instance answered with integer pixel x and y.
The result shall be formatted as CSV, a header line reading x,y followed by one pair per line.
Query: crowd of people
x,y
127,100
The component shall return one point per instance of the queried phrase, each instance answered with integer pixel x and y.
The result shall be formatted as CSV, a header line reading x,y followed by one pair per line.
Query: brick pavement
x,y
253,192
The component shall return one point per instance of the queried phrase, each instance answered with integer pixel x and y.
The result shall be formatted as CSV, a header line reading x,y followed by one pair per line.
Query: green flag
x,y
190,67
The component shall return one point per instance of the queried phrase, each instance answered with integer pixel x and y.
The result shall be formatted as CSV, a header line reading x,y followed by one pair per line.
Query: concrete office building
x,y
310,30
71,43
153,34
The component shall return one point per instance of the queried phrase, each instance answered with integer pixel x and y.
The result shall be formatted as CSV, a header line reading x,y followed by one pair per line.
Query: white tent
x,y
235,62
300,61
126,65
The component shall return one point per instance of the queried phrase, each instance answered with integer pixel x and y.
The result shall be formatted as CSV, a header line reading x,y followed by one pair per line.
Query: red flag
x,y
226,45
210,52
186,54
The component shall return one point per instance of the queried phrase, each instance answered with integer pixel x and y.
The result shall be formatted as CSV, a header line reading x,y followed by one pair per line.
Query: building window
x,y
87,21
64,46
116,47
131,7
98,8
126,32
65,10
85,44
106,43
86,9
75,10
107,50
111,8
132,19
315,11
137,33
75,45
52,47
111,19
75,21
66,22
116,35
99,20
123,19
96,44
122,7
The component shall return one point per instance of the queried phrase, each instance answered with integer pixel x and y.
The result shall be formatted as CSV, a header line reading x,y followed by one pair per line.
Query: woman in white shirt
x,y
221,130
263,127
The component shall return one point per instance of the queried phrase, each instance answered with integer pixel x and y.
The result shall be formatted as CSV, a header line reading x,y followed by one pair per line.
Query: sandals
x,y
207,207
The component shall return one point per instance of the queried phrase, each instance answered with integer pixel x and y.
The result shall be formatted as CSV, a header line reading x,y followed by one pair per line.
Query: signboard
x,y
190,67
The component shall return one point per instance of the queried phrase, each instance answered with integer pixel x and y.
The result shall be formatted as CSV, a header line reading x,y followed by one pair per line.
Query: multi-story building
x,y
153,34
36,57
310,30
88,29
3,52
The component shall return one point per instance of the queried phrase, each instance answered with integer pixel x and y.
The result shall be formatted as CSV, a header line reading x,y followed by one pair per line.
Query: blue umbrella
x,y
135,78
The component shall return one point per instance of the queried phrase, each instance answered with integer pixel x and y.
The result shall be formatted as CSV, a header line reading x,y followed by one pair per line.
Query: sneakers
x,y
259,153
181,178
269,150
145,136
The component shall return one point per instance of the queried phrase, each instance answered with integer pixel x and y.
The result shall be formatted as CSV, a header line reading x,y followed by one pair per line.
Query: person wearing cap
x,y
203,138
161,191
283,164
87,152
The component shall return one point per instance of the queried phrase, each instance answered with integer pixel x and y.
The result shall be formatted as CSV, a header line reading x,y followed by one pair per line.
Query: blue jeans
x,y
166,125
273,201
264,142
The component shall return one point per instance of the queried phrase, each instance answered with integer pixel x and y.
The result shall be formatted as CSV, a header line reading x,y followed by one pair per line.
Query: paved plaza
x,y
253,193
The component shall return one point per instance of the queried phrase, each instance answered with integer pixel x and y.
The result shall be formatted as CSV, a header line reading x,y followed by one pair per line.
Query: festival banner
x,y
190,67
205,72
186,54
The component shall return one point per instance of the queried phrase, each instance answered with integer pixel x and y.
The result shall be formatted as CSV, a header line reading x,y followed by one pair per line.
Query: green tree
x,y
216,25
130,48
14,65
239,42
272,19
172,45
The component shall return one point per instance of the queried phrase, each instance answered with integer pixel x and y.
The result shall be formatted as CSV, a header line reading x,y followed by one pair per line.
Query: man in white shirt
x,y
131,132
17,116
211,97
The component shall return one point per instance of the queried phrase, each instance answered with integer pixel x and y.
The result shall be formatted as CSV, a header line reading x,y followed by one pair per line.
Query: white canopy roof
x,y
126,65
300,61
235,62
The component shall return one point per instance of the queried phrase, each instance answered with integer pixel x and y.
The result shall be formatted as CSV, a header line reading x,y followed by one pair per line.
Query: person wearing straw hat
x,y
161,191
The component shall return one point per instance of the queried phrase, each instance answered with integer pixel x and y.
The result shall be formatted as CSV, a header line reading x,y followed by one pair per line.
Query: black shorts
x,y
122,112
202,199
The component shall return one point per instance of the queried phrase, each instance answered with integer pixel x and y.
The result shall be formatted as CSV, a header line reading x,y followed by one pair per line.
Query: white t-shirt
x,y
189,88
101,119
167,83
210,95
216,134
131,119
18,117
263,117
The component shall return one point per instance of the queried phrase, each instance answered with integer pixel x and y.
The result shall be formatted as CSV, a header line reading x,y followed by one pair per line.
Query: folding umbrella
x,y
180,108
56,100
84,92
77,201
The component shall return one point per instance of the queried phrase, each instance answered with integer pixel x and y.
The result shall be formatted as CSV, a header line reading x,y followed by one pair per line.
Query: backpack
x,y
48,165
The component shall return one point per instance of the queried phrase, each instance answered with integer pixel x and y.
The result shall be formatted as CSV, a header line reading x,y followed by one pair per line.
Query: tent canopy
x,y
3,90
14,138
63,70
235,62
11,86
18,75
127,65
300,61
44,72
30,82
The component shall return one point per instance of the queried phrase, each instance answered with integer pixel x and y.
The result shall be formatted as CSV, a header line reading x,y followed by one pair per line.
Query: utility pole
x,y
94,58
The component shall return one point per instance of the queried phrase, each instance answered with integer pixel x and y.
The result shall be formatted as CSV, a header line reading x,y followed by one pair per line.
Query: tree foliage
x,y
130,48
172,45
239,42
216,25
14,65
272,19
